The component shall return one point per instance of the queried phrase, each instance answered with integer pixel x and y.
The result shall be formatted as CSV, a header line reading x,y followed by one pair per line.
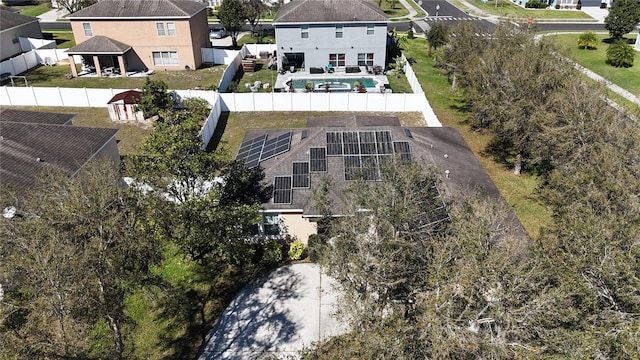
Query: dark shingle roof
x,y
27,148
127,97
99,45
140,8
35,117
428,145
10,19
314,11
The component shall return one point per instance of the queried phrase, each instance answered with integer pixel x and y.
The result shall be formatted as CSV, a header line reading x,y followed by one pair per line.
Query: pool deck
x,y
339,73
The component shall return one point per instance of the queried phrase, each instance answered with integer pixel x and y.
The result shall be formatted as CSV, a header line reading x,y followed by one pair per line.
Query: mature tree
x,y
214,202
622,18
417,288
155,98
72,6
232,15
72,254
438,35
254,10
621,54
588,40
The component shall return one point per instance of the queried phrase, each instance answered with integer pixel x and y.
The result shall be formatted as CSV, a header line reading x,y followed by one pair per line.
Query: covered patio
x,y
102,57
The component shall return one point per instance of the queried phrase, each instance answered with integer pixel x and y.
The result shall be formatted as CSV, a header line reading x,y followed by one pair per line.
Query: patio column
x,y
123,71
96,62
72,63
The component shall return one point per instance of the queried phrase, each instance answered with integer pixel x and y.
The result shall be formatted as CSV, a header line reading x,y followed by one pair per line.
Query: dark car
x,y
5,77
218,32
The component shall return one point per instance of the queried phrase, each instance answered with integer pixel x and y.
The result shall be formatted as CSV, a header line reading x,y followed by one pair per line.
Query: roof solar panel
x,y
351,167
334,143
301,175
351,143
282,190
402,150
276,146
250,149
383,142
318,159
370,171
367,142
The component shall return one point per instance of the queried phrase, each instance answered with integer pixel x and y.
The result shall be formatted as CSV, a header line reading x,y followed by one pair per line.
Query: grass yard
x,y
518,191
594,60
33,10
508,9
54,76
129,136
64,38
393,8
417,8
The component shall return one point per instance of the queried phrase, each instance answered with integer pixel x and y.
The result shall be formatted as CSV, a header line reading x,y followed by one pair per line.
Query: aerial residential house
x,y
35,141
343,149
116,36
13,26
315,33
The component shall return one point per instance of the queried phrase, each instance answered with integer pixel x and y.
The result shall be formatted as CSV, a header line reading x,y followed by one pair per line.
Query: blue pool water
x,y
334,83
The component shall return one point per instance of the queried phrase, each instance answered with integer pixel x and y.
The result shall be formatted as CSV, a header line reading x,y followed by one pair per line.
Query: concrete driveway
x,y
278,315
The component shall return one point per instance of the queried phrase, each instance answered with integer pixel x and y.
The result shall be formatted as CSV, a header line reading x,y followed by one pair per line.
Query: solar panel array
x,y
301,175
282,190
318,159
258,149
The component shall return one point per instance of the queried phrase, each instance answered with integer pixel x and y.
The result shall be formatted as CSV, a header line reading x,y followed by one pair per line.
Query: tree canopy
x,y
623,17
232,15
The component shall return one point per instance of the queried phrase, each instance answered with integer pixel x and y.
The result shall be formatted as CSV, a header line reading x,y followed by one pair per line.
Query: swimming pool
x,y
334,84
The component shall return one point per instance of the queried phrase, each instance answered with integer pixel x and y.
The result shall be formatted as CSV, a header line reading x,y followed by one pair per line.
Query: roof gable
x,y
10,19
140,9
323,11
99,45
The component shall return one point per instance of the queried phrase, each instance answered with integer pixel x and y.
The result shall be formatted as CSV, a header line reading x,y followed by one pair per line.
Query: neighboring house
x,y
314,33
116,36
31,142
342,149
13,26
122,107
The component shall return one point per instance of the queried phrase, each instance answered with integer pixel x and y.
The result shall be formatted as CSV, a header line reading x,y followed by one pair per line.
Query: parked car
x,y
218,32
5,77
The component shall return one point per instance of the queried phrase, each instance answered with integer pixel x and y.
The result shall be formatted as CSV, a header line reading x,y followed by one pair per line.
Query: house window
x,y
339,31
365,59
165,58
567,2
304,31
171,29
87,29
271,224
336,60
370,29
160,28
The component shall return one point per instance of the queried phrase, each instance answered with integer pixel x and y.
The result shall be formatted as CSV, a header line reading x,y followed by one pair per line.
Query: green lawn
x,y
64,38
594,60
417,8
54,76
508,9
518,191
393,8
33,10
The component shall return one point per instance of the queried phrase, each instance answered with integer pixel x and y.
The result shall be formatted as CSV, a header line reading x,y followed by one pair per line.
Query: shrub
x,y
296,250
588,40
557,6
315,247
272,252
579,5
621,54
536,4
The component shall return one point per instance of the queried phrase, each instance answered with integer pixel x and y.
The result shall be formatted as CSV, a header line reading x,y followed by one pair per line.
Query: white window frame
x,y
371,29
165,58
271,220
160,29
335,60
339,31
304,31
171,29
365,59
86,27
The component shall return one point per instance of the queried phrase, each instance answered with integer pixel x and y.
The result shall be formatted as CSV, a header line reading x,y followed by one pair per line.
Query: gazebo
x,y
108,55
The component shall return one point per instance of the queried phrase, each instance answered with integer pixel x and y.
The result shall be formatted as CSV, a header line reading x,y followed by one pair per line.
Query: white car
x,y
218,32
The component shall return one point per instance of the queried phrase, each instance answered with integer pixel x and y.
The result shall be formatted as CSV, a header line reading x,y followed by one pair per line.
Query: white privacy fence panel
x,y
209,127
217,56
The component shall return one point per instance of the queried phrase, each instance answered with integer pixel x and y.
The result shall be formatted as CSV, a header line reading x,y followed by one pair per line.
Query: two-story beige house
x,y
116,36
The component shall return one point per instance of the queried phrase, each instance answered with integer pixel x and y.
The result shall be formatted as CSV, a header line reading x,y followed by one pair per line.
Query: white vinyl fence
x,y
25,61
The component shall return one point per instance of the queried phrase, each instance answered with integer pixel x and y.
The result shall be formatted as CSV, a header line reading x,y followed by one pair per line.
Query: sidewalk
x,y
52,15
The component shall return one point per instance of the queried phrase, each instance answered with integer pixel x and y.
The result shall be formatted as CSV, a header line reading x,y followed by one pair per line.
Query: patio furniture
x,y
330,68
316,70
352,69
377,70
